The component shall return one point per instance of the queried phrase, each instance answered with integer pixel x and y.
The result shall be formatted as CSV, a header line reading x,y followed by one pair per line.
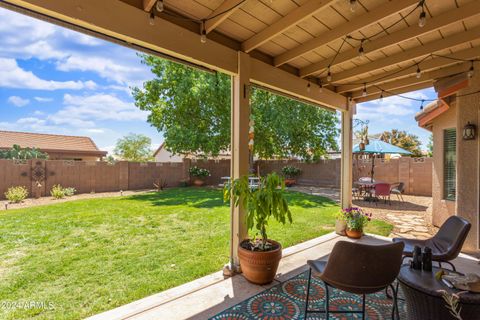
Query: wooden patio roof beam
x,y
222,13
428,65
148,5
435,23
410,54
360,22
414,87
107,17
430,77
291,19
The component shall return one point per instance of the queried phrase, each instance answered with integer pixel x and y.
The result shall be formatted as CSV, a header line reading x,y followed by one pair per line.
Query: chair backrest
x,y
366,179
382,189
451,236
361,268
400,186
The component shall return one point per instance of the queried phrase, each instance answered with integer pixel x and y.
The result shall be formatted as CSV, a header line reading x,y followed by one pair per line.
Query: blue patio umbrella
x,y
375,147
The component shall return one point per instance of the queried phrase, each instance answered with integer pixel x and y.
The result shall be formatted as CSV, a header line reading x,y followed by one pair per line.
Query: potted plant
x,y
356,219
198,175
259,257
290,172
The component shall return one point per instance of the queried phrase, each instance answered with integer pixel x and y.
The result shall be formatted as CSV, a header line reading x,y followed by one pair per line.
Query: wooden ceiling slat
x,y
228,7
430,64
295,16
359,22
417,52
442,21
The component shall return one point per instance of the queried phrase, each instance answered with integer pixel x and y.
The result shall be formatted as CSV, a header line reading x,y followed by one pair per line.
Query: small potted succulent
x,y
259,256
356,219
198,175
290,172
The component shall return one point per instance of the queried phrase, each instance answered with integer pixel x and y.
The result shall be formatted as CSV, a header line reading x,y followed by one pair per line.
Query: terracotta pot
x,y
197,182
354,234
340,227
260,267
290,182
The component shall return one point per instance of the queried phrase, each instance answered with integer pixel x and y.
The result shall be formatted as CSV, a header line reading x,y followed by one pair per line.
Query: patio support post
x,y
346,172
240,153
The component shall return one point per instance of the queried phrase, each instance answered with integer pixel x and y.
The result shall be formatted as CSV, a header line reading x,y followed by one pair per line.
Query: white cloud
x,y
13,76
84,111
42,99
18,101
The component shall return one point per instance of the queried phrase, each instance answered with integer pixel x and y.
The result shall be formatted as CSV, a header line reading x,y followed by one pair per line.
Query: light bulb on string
x,y
320,87
419,72
361,50
151,18
203,36
422,19
353,5
381,96
471,71
329,75
421,106
159,6
364,92
308,87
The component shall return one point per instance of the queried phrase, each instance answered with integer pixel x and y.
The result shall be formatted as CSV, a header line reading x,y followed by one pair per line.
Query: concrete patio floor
x,y
207,296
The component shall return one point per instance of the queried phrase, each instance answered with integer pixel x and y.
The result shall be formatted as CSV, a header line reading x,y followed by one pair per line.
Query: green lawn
x,y
89,256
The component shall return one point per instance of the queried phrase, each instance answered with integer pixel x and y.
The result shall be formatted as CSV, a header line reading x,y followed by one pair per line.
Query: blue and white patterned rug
x,y
286,301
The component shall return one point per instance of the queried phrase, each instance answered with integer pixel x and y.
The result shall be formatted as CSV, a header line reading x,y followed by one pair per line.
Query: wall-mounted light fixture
x,y
469,131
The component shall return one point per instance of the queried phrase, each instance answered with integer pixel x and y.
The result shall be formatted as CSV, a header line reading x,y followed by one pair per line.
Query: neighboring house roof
x,y
50,142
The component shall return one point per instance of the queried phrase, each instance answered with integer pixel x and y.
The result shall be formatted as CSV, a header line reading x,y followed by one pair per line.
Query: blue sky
x,y
54,80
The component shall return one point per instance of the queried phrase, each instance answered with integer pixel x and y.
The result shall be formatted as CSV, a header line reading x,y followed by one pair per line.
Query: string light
x,y
353,5
203,36
419,72
159,5
329,75
308,87
151,18
381,96
361,51
320,86
422,19
471,71
421,106
364,92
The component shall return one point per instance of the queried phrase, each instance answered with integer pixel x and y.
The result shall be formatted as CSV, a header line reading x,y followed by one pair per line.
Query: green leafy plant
x,y
355,218
57,192
69,191
291,171
16,194
198,172
17,152
262,203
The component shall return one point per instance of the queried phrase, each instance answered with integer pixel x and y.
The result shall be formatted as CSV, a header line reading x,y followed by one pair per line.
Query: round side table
x,y
424,301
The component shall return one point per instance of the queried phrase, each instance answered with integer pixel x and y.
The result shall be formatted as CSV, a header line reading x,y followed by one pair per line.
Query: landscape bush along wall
x,y
39,176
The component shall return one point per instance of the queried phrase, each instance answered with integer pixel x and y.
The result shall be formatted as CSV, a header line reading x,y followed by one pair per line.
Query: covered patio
x,y
329,53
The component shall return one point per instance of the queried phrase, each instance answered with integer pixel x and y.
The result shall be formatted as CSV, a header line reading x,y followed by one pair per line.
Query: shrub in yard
x,y
69,191
57,192
290,171
199,172
16,194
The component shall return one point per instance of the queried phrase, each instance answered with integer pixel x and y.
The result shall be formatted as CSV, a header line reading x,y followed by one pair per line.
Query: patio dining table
x,y
366,186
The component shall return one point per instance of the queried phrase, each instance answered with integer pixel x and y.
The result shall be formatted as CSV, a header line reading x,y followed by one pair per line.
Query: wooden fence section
x,y
416,173
39,176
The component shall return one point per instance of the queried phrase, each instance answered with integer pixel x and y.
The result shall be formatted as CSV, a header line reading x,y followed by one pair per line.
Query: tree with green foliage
x,y
17,152
134,147
404,140
192,109
430,146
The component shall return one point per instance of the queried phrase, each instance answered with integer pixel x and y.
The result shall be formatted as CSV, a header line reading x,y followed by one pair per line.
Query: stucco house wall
x,y
441,209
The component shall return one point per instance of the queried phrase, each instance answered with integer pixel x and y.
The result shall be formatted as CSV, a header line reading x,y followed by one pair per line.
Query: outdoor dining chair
x,y
359,269
398,188
446,244
381,190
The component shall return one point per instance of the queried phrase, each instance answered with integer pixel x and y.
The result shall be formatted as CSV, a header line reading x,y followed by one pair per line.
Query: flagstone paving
x,y
408,217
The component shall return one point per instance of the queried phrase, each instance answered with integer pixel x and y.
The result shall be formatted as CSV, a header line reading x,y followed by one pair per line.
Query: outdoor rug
x,y
287,301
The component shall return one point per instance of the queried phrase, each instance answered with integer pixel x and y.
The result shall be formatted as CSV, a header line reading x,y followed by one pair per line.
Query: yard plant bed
x,y
88,256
